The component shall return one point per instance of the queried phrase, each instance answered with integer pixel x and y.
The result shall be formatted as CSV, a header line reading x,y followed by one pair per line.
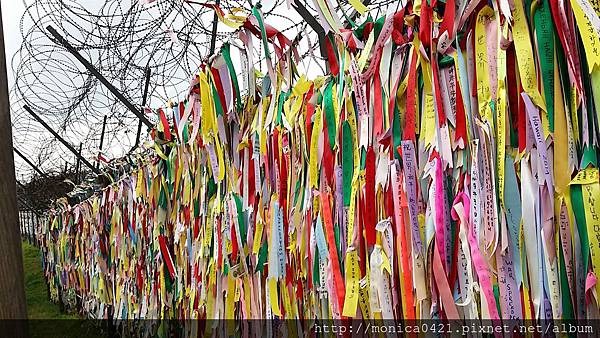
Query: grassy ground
x,y
39,305
46,319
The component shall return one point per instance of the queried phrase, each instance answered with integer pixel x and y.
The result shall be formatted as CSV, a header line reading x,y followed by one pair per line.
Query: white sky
x,y
12,12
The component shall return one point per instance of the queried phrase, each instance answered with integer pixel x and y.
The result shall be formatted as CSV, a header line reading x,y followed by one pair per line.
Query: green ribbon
x,y
283,96
589,155
316,278
217,99
227,56
397,132
185,132
297,190
359,32
211,187
196,207
258,15
162,198
330,114
578,210
544,29
241,222
567,305
338,247
262,257
347,161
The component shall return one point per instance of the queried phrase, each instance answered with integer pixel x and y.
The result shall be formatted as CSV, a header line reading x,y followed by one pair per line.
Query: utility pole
x,y
12,285
62,41
29,162
58,137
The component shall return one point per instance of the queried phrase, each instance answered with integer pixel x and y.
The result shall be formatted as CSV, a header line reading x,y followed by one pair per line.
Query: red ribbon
x,y
165,124
425,24
409,128
370,198
166,255
219,87
335,263
331,57
377,105
461,124
438,96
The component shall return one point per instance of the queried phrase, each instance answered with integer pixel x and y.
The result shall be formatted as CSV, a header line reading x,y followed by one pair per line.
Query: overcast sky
x,y
12,10
12,13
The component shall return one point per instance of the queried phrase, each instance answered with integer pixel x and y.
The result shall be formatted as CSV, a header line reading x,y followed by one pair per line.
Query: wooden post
x,y
12,285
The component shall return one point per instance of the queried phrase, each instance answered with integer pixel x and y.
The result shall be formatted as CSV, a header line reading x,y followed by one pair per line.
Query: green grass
x,y
39,305
46,318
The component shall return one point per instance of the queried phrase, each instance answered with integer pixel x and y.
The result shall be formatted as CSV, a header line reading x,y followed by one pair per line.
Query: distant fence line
x,y
28,222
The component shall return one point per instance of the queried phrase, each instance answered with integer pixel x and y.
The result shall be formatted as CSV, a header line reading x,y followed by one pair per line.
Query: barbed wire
x,y
120,38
